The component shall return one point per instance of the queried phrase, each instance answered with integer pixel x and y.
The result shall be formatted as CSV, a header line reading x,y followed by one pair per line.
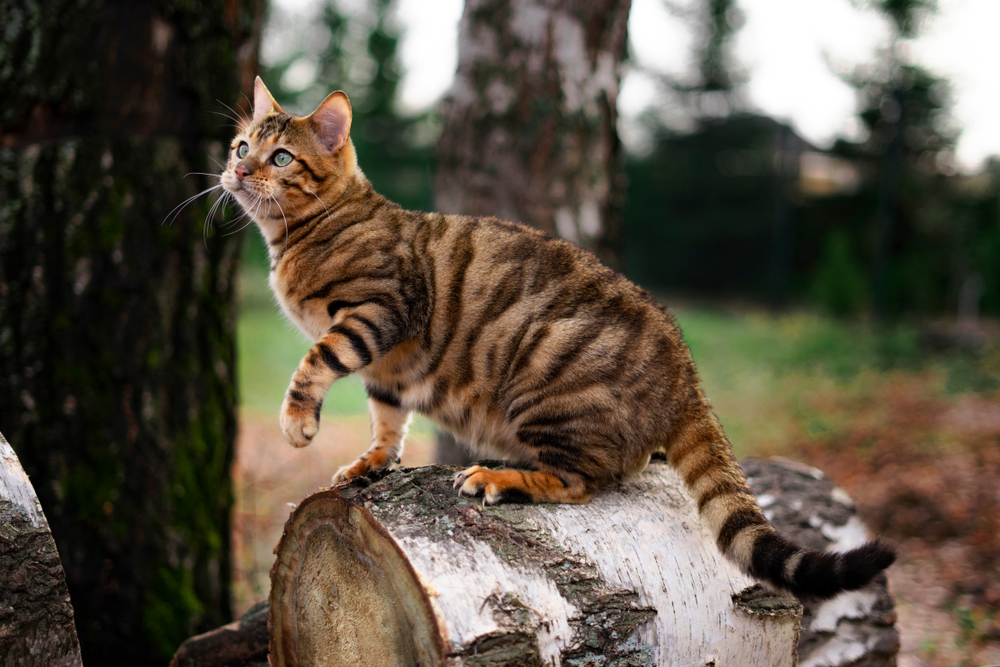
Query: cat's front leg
x,y
335,355
389,425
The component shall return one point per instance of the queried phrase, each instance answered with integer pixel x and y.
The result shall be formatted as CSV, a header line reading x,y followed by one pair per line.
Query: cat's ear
x,y
263,103
332,121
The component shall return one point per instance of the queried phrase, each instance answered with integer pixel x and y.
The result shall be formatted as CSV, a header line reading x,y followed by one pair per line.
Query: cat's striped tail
x,y
745,536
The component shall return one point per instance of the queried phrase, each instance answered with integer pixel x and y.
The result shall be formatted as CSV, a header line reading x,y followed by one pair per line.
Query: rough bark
x,y
36,617
399,570
117,331
529,123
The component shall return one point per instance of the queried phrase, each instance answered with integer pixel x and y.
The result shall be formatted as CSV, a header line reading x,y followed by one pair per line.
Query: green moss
x,y
168,606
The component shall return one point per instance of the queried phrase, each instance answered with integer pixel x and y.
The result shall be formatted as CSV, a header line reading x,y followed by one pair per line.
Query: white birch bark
x,y
400,571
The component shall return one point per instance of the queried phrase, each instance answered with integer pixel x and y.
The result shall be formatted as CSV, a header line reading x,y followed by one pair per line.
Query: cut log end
x,y
338,568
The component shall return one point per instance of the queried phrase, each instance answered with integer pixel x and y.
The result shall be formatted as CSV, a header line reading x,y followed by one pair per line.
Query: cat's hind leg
x,y
523,486
389,425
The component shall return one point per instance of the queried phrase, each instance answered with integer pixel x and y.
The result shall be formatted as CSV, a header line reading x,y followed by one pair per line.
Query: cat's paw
x,y
299,421
495,486
371,460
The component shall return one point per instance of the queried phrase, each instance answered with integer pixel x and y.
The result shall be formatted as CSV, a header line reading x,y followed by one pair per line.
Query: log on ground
x,y
398,570
36,618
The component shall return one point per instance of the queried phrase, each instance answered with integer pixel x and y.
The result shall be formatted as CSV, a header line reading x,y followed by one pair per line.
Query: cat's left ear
x,y
263,103
332,121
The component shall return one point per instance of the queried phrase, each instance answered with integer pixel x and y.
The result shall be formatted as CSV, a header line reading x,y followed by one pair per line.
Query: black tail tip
x,y
859,566
822,574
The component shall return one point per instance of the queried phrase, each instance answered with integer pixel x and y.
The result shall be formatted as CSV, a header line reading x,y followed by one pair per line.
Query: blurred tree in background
x,y
117,357
530,123
707,204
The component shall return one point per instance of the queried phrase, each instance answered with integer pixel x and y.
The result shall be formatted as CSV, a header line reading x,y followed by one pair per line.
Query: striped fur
x,y
521,344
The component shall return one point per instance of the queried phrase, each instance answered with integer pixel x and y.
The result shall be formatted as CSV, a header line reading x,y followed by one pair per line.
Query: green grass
x,y
270,348
772,378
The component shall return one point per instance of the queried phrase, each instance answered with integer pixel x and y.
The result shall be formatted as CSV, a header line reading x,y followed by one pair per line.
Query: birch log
x,y
36,618
854,629
399,570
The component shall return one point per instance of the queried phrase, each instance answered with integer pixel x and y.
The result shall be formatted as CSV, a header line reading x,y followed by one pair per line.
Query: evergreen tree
x,y
711,90
904,109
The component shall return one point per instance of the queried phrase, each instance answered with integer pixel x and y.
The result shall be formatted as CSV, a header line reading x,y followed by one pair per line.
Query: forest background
x,y
841,303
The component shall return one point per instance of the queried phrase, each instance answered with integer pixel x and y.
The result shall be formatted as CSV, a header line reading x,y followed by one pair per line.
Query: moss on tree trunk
x,y
117,351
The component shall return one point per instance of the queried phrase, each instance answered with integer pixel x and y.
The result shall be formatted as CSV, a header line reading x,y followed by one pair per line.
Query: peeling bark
x,y
396,510
397,569
36,618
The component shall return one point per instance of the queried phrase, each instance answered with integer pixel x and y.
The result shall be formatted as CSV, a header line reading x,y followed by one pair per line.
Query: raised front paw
x,y
299,421
495,486
370,460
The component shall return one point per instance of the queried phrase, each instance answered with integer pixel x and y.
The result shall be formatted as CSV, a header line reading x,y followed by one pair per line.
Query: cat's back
x,y
493,266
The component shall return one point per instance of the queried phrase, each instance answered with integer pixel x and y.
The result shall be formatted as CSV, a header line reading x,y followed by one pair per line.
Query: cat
x,y
519,343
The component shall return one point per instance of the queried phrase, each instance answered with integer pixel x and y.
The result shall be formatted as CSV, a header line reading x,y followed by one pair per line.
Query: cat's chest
x,y
310,317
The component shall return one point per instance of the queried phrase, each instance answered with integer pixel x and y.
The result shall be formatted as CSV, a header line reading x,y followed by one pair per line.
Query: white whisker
x,y
180,207
242,116
283,218
328,216
225,115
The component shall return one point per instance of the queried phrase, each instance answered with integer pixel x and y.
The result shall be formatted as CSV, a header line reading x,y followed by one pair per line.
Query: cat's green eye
x,y
281,158
243,151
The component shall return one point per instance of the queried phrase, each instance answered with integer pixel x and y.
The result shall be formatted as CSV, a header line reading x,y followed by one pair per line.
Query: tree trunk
x,y
35,612
242,643
116,331
530,124
400,571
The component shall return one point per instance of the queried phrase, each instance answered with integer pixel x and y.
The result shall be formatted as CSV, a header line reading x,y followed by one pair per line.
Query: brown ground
x,y
924,470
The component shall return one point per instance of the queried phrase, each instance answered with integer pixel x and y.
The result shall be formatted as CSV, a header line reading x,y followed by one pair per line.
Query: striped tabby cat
x,y
519,343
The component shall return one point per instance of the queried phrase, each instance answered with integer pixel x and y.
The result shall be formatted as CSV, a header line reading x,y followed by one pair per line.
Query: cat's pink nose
x,y
242,170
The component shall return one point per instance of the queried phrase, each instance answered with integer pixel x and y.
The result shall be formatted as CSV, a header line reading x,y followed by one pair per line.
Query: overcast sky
x,y
784,46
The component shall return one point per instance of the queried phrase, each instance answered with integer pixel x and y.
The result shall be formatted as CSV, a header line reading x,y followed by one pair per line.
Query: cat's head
x,y
282,168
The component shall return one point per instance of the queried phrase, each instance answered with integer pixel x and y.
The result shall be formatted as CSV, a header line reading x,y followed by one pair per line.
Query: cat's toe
x,y
371,460
345,473
299,423
471,481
